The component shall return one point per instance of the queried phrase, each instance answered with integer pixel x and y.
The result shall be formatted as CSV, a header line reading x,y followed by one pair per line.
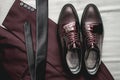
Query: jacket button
x,y
25,6
28,7
32,9
21,3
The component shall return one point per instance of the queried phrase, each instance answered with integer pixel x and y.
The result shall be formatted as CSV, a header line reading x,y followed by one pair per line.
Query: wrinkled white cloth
x,y
110,12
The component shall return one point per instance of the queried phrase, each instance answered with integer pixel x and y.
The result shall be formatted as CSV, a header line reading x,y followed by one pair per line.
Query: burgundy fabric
x,y
54,70
13,56
12,42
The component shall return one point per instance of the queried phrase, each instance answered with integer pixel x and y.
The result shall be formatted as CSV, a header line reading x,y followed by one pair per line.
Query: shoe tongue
x,y
73,46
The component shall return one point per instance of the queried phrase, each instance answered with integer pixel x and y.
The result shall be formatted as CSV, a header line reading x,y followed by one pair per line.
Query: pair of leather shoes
x,y
80,42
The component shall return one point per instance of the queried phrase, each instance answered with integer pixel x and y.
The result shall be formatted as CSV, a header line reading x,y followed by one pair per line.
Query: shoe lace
x,y
71,33
91,36
72,37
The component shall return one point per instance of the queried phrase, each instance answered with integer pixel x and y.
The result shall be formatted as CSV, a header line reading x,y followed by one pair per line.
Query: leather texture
x,y
69,40
93,34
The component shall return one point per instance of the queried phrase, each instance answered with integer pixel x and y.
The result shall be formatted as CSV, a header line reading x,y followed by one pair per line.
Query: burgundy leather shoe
x,y
69,38
92,31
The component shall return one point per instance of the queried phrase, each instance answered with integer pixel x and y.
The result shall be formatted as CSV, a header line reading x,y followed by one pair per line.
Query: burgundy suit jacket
x,y
13,55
